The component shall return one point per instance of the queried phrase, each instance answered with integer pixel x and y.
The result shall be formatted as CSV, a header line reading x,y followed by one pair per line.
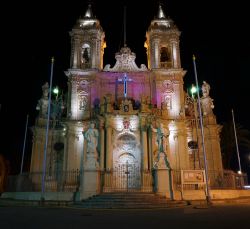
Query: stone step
x,y
133,205
129,200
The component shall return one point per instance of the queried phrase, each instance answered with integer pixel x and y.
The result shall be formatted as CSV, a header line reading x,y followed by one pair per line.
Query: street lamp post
x,y
24,144
236,142
202,134
193,91
47,131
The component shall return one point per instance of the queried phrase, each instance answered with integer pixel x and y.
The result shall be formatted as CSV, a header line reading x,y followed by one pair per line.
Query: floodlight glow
x,y
56,90
193,89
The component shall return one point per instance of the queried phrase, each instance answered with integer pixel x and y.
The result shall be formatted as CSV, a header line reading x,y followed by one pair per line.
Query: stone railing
x,y
55,181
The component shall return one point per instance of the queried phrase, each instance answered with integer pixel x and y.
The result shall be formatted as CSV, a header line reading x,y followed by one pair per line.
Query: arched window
x,y
164,55
85,57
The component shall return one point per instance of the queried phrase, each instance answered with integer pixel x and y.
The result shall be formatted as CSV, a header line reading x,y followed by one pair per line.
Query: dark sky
x,y
217,33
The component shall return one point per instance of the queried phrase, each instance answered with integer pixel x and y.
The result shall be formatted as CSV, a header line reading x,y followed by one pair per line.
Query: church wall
x,y
37,151
212,144
179,158
73,103
74,151
182,141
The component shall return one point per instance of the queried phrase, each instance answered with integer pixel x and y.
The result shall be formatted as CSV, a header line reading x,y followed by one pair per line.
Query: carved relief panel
x,y
82,93
167,93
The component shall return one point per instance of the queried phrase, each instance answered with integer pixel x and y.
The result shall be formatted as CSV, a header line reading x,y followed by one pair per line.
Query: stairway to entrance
x,y
129,201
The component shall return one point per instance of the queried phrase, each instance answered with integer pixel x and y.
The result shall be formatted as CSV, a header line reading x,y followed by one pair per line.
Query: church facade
x,y
124,122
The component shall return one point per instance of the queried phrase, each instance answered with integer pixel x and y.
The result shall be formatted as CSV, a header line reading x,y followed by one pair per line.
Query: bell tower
x,y
87,49
167,92
162,43
87,43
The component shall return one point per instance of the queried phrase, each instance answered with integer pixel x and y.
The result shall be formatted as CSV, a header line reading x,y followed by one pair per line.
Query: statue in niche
x,y
85,56
126,105
164,109
164,54
168,101
82,103
42,105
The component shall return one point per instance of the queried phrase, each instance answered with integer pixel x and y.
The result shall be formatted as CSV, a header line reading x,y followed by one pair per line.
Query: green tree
x,y
228,145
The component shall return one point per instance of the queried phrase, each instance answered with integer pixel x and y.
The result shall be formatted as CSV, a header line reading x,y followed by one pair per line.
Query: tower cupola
x,y
87,42
162,42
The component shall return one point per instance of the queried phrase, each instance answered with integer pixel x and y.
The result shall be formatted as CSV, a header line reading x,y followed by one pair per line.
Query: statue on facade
x,y
190,106
42,105
57,107
206,101
91,136
159,136
164,109
126,105
108,103
161,160
205,89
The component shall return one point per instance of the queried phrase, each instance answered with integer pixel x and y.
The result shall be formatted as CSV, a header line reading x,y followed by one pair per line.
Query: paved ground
x,y
217,216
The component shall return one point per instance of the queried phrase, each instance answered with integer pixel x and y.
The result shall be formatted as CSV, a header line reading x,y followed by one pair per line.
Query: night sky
x,y
32,33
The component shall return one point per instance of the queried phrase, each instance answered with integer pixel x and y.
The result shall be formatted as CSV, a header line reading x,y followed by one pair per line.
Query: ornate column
x,y
73,97
156,53
102,144
144,144
76,53
182,144
150,151
94,52
145,150
108,147
175,51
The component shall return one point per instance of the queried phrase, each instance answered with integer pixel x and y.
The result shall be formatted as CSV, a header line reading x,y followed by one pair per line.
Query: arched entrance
x,y
126,167
126,174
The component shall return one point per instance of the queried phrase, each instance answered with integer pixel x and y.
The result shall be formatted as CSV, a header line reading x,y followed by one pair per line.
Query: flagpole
x,y
47,131
124,29
208,198
24,143
236,142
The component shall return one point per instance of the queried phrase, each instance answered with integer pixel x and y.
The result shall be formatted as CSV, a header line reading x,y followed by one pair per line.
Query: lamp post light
x,y
47,131
236,143
24,144
194,90
56,92
208,198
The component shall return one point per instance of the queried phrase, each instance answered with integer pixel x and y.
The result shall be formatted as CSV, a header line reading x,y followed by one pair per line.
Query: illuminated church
x,y
125,125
